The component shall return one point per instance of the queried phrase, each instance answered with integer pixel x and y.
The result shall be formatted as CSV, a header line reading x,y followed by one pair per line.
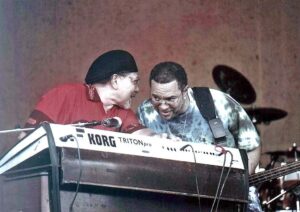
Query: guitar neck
x,y
258,178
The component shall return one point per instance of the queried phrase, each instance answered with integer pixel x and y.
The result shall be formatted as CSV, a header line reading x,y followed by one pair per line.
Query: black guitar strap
x,y
206,107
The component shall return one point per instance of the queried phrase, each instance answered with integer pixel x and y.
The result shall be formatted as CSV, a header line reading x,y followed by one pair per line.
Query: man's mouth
x,y
133,95
165,113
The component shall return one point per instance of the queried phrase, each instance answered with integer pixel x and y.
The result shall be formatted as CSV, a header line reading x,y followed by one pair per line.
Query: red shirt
x,y
74,103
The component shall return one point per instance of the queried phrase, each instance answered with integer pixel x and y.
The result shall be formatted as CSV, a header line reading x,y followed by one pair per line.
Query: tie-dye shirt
x,y
192,127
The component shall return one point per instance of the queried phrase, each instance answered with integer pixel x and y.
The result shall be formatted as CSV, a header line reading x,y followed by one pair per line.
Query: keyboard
x,y
68,136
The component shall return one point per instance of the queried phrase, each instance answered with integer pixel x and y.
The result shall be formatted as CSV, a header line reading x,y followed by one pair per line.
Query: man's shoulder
x,y
69,90
145,104
146,111
217,96
220,95
215,92
68,87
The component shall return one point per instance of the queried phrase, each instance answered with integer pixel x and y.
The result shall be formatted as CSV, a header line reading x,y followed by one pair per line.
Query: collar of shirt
x,y
92,94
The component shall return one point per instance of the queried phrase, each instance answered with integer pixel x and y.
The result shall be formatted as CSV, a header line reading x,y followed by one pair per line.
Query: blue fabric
x,y
192,127
254,203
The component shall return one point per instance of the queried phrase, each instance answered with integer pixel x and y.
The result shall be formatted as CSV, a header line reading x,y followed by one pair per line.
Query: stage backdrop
x,y
46,43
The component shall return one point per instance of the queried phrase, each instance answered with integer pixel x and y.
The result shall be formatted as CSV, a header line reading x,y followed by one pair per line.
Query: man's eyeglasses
x,y
168,100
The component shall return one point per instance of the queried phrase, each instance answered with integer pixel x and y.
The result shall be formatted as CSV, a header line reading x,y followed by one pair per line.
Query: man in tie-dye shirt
x,y
172,111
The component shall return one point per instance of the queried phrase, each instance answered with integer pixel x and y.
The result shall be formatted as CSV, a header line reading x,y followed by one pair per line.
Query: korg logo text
x,y
102,140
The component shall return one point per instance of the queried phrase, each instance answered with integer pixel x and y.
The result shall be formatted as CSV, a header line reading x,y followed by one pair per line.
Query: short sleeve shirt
x,y
192,127
74,103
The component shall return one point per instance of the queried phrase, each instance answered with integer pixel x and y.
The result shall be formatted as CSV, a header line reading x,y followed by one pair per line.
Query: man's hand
x,y
149,132
253,159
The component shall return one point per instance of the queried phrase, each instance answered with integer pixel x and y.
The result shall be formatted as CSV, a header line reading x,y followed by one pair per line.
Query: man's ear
x,y
185,89
114,81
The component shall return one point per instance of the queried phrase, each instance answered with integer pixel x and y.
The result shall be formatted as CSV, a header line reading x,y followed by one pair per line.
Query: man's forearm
x,y
253,159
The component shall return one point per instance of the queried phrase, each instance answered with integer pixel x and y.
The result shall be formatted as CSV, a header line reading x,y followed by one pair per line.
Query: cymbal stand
x,y
283,193
296,159
270,165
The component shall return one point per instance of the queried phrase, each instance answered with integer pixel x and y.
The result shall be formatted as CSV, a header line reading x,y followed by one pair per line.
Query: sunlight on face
x,y
128,89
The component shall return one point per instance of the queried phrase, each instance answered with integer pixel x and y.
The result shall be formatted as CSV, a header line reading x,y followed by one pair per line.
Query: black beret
x,y
109,63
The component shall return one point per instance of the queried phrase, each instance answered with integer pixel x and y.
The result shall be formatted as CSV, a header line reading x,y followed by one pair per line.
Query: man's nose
x,y
163,105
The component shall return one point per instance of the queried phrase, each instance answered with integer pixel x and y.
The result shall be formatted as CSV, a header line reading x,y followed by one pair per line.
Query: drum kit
x,y
280,194
237,86
283,193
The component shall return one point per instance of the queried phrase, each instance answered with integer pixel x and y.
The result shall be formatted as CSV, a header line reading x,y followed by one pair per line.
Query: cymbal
x,y
234,83
265,115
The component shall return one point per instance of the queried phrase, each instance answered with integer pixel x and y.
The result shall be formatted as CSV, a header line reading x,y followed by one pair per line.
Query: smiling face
x,y
128,89
168,99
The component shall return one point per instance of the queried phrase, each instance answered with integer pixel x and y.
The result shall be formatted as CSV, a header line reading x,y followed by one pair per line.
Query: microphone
x,y
112,122
109,122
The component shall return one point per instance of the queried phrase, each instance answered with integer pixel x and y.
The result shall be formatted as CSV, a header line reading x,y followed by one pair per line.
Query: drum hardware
x,y
274,195
284,192
274,159
236,85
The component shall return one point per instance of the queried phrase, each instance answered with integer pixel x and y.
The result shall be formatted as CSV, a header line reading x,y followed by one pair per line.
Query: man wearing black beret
x,y
110,84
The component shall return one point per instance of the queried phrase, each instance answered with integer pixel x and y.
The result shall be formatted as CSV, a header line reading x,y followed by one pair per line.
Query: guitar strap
x,y
206,107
